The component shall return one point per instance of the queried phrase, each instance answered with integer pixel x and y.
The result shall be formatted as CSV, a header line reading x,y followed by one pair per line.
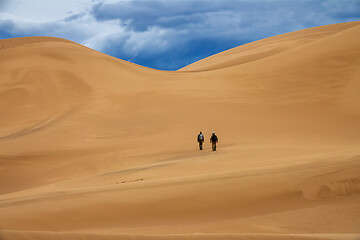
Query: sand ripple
x,y
335,184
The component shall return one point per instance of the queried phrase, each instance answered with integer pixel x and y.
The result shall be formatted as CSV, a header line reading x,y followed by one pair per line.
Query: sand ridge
x,y
93,147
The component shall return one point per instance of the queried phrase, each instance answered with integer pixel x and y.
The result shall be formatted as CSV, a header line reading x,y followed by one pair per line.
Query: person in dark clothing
x,y
200,140
213,140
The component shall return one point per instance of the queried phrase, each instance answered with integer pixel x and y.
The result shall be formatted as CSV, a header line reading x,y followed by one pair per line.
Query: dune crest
x,y
93,147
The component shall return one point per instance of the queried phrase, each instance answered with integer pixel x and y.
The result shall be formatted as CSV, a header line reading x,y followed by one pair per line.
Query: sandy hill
x,y
92,147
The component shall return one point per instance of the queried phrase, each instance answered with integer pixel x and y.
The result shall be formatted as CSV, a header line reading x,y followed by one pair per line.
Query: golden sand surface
x,y
93,147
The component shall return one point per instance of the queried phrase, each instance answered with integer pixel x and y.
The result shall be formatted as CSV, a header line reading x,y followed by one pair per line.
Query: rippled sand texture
x,y
92,147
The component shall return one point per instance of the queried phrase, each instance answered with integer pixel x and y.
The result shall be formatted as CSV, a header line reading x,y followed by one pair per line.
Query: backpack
x,y
214,138
200,137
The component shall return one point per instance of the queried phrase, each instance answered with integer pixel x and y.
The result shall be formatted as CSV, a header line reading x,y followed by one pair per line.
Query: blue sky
x,y
167,34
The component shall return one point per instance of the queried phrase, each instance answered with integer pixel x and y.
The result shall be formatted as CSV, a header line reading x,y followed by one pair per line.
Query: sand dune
x,y
269,47
93,147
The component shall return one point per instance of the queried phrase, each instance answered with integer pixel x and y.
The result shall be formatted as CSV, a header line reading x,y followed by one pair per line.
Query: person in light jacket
x,y
200,140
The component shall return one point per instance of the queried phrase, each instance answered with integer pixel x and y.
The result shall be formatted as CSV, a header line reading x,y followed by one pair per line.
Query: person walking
x,y
200,140
214,140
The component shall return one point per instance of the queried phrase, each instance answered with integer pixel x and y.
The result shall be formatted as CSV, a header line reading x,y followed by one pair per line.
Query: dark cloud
x,y
194,29
7,27
139,15
176,54
73,17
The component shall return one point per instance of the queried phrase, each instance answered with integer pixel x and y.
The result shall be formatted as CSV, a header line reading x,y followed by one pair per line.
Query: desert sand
x,y
93,147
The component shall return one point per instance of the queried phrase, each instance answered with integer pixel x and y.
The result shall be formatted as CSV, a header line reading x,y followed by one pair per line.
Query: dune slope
x,y
92,147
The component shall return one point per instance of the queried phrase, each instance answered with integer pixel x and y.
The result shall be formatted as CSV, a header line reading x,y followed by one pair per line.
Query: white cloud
x,y
44,11
105,34
151,40
46,20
